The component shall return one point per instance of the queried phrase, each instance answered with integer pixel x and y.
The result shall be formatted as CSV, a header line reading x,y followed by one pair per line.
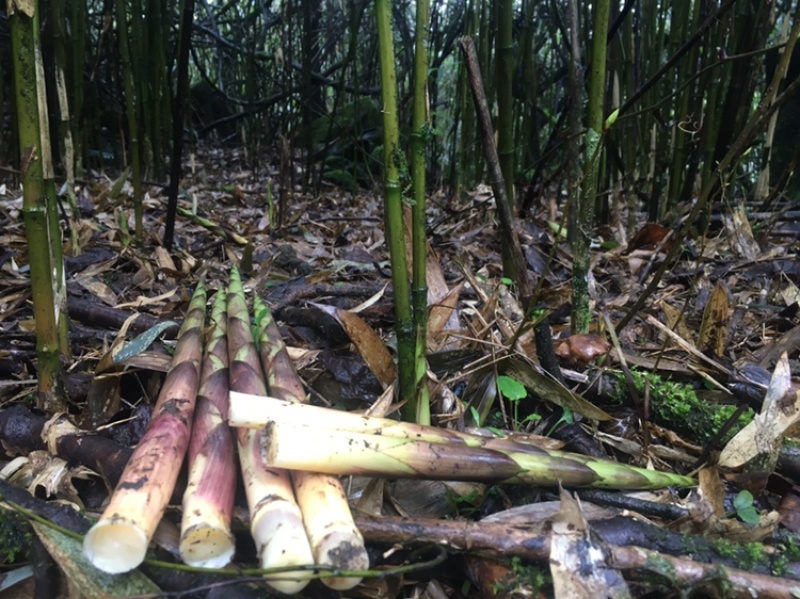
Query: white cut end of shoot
x,y
276,522
115,545
341,546
207,545
281,542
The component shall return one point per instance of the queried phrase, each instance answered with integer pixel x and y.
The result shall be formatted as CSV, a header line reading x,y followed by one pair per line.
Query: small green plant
x,y
515,392
745,510
466,505
525,579
566,417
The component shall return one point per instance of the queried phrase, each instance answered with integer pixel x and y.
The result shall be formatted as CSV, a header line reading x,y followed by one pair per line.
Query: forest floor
x,y
714,346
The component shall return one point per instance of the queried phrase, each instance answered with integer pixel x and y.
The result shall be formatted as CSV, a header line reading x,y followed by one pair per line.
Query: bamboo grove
x,y
609,110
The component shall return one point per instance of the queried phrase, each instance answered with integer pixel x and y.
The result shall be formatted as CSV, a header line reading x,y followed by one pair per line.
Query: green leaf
x,y
747,512
476,417
511,389
531,418
567,417
557,229
142,342
612,118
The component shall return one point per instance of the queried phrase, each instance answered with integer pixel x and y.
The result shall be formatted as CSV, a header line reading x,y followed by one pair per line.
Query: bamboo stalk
x,y
118,541
302,437
335,539
206,539
276,521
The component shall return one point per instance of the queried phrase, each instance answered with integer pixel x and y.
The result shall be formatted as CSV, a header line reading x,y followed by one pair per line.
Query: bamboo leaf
x,y
142,342
549,389
93,584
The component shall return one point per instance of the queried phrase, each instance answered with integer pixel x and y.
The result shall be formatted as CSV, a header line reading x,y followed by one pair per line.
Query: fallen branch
x,y
508,541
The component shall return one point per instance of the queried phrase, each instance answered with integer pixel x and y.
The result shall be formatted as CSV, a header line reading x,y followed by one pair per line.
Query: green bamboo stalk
x,y
276,523
160,27
684,21
334,537
419,290
118,541
581,264
504,68
77,47
465,173
36,211
206,539
300,437
133,117
528,127
393,208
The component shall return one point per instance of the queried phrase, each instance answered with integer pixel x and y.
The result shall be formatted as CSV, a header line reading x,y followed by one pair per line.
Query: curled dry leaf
x,y
368,343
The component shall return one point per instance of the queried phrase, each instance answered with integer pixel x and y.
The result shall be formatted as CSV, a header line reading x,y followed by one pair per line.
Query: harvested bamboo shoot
x,y
118,541
334,537
276,523
301,437
206,539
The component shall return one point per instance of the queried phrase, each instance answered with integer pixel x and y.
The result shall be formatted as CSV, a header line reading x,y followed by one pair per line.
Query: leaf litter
x,y
722,331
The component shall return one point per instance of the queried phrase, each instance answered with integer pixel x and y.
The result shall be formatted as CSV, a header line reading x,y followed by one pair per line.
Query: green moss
x,y
676,406
15,536
660,566
785,553
745,556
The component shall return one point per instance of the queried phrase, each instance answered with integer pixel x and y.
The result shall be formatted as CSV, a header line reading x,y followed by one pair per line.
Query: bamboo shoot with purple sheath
x,y
276,522
335,539
118,541
206,539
